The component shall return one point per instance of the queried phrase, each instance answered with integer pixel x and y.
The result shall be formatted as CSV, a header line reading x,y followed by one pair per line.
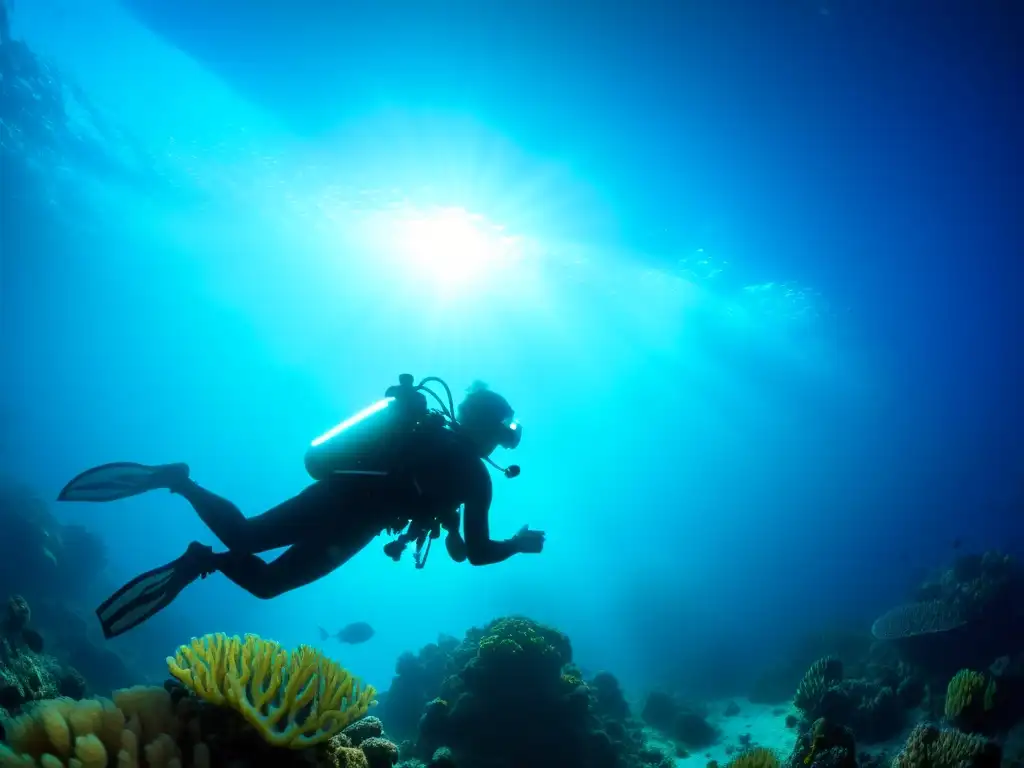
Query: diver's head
x,y
486,418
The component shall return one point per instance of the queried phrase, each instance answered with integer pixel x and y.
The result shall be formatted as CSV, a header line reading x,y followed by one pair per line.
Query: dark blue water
x,y
750,282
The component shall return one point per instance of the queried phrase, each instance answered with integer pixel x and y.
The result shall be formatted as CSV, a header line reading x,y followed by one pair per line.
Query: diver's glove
x,y
528,541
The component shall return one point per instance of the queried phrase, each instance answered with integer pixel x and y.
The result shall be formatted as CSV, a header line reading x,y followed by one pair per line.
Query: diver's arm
x,y
481,549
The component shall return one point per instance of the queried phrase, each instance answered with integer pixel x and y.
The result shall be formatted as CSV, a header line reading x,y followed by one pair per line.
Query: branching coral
x,y
293,699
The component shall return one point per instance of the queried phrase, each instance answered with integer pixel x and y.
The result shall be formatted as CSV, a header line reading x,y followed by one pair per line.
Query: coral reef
x,y
26,673
54,567
509,695
232,702
872,708
146,727
513,698
965,618
776,684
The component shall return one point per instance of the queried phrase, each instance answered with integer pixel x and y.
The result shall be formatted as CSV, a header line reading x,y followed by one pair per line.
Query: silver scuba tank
x,y
372,441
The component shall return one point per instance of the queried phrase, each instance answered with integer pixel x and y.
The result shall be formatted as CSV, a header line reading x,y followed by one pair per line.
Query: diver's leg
x,y
281,526
299,565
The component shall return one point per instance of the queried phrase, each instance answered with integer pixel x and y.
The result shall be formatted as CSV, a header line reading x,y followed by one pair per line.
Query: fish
x,y
353,634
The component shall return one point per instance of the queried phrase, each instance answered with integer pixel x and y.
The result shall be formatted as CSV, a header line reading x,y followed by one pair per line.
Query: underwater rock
x,y
693,730
442,758
663,712
610,703
659,710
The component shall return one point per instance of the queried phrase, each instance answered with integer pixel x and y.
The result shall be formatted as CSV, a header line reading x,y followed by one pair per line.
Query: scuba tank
x,y
371,441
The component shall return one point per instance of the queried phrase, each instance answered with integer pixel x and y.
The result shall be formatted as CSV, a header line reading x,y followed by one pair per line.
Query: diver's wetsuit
x,y
333,519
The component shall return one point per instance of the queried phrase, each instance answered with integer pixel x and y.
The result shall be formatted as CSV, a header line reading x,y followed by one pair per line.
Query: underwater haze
x,y
748,273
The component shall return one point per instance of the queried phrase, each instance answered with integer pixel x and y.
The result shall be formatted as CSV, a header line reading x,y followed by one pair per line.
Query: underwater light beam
x,y
454,249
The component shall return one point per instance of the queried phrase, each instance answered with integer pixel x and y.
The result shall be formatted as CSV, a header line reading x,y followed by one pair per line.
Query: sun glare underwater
x,y
567,461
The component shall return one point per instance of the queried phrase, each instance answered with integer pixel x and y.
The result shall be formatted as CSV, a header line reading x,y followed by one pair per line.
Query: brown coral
x,y
929,747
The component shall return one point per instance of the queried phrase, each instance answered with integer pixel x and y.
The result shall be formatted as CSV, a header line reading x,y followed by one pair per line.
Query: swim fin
x,y
150,593
109,482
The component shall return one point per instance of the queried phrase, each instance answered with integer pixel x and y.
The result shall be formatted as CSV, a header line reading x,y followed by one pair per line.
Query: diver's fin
x,y
109,482
324,634
150,593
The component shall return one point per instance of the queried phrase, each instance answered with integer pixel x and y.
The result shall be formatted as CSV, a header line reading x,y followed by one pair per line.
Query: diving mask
x,y
510,434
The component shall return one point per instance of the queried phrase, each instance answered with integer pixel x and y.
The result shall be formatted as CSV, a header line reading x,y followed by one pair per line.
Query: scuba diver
x,y
395,466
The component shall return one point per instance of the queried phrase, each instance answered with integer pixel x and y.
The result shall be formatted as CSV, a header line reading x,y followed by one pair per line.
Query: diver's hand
x,y
528,541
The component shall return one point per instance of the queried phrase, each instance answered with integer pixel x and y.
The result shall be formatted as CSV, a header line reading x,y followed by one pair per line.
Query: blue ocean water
x,y
746,271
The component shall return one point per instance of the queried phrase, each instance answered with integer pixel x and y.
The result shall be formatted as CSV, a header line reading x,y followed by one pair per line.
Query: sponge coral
x,y
293,699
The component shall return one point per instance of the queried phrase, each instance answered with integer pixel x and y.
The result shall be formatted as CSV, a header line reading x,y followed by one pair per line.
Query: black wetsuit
x,y
333,519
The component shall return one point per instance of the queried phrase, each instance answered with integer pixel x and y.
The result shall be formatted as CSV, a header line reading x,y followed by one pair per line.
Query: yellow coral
x,y
293,699
758,757
95,733
968,690
59,732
